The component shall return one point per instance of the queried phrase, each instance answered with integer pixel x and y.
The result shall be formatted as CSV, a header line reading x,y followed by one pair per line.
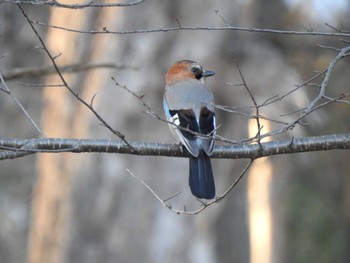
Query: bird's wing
x,y
188,129
190,105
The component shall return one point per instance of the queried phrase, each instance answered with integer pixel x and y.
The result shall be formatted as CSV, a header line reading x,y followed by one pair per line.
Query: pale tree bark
x,y
51,219
51,201
259,180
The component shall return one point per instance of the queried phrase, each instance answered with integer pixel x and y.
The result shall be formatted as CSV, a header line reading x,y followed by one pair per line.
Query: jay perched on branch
x,y
189,106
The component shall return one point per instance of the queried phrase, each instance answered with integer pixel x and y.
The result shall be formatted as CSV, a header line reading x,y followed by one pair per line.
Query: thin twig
x,y
39,85
257,114
8,92
204,204
327,77
43,71
302,116
335,29
223,18
200,28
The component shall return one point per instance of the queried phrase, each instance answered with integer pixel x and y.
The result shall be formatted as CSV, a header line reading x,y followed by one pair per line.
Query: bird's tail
x,y
201,176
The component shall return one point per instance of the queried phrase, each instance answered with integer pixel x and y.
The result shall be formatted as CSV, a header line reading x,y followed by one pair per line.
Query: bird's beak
x,y
208,73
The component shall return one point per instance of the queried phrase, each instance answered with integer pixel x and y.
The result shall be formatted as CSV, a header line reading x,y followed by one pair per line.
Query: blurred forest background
x,y
87,208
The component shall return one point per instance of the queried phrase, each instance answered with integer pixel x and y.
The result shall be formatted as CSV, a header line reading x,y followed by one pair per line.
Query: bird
x,y
189,109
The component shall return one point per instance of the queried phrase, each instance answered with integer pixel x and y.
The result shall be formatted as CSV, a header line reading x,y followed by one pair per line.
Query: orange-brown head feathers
x,y
186,69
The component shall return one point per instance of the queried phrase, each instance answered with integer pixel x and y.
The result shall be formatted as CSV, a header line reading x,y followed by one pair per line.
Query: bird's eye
x,y
197,72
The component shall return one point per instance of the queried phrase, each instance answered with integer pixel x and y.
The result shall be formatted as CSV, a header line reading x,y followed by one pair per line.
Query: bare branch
x,y
163,202
304,112
204,204
4,88
335,29
43,71
343,53
199,28
223,18
55,3
139,97
257,116
39,85
250,151
293,123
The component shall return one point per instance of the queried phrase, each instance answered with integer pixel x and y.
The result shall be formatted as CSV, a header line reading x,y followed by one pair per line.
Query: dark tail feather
x,y
201,177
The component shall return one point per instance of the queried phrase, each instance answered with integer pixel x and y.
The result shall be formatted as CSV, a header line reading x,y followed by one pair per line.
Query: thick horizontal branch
x,y
14,148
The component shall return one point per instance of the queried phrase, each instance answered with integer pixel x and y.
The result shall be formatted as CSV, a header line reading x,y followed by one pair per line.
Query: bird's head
x,y
186,69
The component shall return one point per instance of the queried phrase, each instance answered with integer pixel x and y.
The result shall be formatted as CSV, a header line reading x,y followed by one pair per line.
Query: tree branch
x,y
199,28
42,71
55,3
205,204
4,88
250,151
343,53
